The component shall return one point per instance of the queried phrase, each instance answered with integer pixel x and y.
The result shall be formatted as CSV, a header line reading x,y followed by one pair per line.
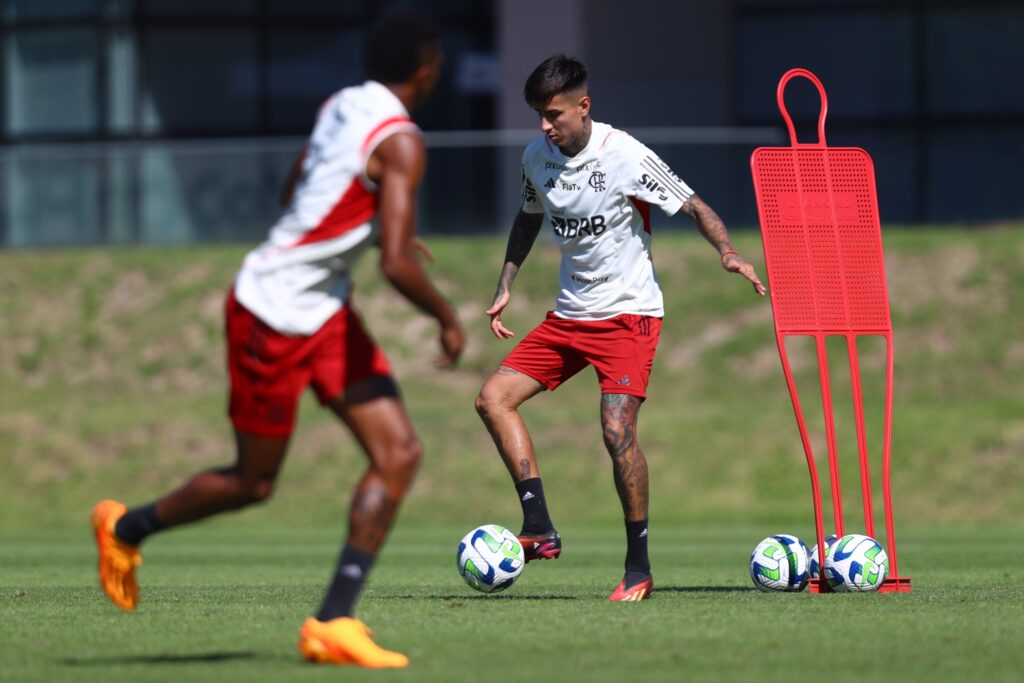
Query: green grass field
x,y
112,384
222,606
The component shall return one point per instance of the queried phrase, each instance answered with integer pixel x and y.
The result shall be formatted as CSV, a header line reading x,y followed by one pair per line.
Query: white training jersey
x,y
598,205
301,276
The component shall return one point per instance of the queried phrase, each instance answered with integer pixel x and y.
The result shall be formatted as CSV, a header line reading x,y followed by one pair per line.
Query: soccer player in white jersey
x,y
594,186
290,324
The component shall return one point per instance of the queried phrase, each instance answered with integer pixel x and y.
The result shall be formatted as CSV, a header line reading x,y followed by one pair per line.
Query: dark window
x,y
200,81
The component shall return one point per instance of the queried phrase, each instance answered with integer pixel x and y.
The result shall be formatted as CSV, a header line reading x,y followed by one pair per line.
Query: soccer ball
x,y
856,563
814,569
779,563
490,558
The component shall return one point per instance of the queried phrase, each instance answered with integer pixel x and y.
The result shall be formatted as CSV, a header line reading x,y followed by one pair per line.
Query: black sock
x,y
353,568
138,523
638,566
535,508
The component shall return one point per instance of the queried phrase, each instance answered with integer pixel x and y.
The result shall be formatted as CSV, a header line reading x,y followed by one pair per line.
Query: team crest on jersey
x,y
597,181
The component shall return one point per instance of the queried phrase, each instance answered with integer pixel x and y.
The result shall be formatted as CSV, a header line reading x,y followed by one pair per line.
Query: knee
x,y
258,491
411,455
482,406
403,459
490,402
247,490
619,438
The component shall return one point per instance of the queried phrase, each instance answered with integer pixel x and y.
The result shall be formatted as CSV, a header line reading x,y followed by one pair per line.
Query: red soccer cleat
x,y
636,593
546,546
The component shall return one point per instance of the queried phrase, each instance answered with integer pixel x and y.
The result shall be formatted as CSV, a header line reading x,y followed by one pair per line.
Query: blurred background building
x,y
174,121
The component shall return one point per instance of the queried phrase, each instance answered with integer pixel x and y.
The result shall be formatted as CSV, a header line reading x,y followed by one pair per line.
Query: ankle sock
x,y
638,565
353,567
535,508
138,523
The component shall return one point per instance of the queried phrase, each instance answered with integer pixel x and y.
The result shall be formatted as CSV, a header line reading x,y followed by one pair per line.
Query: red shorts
x,y
269,370
621,349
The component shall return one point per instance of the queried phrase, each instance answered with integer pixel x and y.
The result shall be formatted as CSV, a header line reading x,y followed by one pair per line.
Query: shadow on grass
x,y
516,597
703,589
196,658
452,597
507,596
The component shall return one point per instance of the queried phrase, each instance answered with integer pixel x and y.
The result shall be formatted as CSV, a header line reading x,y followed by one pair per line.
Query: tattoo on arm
x,y
524,232
708,222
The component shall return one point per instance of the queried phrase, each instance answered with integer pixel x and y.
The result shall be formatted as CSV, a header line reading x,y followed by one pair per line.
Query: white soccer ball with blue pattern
x,y
815,569
779,563
490,558
856,563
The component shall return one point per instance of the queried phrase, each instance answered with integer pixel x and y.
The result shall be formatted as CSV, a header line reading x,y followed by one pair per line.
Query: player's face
x,y
563,117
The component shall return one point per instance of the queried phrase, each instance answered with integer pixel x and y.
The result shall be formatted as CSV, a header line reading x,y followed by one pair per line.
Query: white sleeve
x,y
652,181
530,203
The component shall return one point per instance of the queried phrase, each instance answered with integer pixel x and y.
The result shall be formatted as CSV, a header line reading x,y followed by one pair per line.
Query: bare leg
x,y
618,420
497,405
250,480
378,420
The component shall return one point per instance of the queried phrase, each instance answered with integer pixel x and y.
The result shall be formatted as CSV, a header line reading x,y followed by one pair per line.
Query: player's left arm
x,y
715,232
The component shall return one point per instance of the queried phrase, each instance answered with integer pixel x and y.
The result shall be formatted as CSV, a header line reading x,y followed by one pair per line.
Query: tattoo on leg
x,y
524,469
631,482
506,370
618,418
371,516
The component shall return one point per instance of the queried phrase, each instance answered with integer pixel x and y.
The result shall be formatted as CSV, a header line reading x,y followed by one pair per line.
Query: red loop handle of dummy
x,y
786,78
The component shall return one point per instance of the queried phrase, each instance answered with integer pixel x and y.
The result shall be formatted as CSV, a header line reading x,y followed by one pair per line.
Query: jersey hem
x,y
607,316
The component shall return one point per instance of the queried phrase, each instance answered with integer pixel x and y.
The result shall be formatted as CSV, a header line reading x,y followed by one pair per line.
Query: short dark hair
x,y
555,75
398,45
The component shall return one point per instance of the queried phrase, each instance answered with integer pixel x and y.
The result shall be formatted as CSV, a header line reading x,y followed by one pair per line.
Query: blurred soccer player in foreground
x,y
290,324
594,185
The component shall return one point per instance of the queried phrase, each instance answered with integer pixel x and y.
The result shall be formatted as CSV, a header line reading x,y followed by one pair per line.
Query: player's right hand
x,y
734,263
501,300
453,342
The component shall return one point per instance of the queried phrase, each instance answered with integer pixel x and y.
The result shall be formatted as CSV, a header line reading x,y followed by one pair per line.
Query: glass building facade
x,y
171,121
163,121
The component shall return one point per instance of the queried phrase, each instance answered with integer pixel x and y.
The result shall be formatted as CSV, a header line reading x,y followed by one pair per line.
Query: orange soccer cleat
x,y
636,593
345,641
118,560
